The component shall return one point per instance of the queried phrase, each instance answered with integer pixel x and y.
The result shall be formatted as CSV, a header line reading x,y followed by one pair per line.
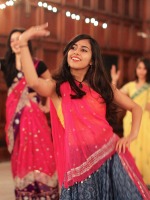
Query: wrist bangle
x,y
23,45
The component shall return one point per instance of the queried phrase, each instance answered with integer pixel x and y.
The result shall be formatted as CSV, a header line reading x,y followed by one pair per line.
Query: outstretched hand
x,y
114,74
34,32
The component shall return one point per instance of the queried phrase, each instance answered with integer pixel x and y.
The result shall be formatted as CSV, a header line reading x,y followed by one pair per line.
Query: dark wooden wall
x,y
119,42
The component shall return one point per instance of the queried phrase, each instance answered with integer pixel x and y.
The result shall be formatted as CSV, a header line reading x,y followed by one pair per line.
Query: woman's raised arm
x,y
41,86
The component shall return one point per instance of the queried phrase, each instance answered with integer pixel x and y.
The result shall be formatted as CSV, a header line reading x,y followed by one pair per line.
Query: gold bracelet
x,y
23,45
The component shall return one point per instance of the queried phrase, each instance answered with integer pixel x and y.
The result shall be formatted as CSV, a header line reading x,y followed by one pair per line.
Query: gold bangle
x,y
24,45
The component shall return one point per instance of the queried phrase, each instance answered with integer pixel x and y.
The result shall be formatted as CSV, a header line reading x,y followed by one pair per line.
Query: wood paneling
x,y
86,28
52,19
86,3
6,20
114,31
51,59
71,2
101,36
70,30
27,17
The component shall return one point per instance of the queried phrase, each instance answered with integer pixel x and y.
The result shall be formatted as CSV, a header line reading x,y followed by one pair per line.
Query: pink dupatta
x,y
16,100
13,106
30,143
87,140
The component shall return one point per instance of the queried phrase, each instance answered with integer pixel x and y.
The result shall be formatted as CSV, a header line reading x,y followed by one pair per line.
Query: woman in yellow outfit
x,y
139,92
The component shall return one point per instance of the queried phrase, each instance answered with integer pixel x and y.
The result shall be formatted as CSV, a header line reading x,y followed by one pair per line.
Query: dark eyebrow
x,y
86,47
81,46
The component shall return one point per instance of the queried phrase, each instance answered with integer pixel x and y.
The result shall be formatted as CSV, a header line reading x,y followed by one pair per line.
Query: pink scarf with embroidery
x,y
87,140
29,139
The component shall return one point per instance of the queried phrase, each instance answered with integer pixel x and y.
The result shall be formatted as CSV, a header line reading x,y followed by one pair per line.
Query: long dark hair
x,y
10,70
146,62
96,76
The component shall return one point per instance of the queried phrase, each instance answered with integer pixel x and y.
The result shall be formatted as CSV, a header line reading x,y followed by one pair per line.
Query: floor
x,y
6,182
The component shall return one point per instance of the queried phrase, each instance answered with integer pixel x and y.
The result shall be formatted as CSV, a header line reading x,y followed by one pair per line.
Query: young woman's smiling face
x,y
80,56
14,42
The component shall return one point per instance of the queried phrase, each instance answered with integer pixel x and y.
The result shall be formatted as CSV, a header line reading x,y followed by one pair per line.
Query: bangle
x,y
23,45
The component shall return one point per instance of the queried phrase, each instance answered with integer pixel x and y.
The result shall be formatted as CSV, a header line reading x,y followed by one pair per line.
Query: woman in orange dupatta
x,y
92,161
28,134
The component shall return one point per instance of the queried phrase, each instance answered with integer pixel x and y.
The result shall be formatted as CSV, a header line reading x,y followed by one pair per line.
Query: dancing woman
x,y
28,135
92,161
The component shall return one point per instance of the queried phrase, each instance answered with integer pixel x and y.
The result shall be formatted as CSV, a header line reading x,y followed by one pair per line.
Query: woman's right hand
x,y
34,32
114,74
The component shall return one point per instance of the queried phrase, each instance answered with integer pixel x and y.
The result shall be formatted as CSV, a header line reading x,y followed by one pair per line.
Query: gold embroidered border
x,y
36,175
104,151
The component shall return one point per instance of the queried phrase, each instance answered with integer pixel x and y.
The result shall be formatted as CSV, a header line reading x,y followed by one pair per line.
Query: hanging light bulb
x,y
104,25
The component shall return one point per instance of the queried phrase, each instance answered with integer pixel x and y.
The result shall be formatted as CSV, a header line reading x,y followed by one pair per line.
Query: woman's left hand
x,y
124,143
114,74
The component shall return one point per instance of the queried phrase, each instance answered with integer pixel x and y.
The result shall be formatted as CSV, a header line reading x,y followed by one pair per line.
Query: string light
x,y
54,9
73,16
47,6
87,20
68,13
104,25
6,4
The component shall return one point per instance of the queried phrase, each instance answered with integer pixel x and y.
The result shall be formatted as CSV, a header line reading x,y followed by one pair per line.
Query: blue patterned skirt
x,y
110,182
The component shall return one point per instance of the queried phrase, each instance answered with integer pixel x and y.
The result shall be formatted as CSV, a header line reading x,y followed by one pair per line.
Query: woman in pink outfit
x,y
93,163
27,132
